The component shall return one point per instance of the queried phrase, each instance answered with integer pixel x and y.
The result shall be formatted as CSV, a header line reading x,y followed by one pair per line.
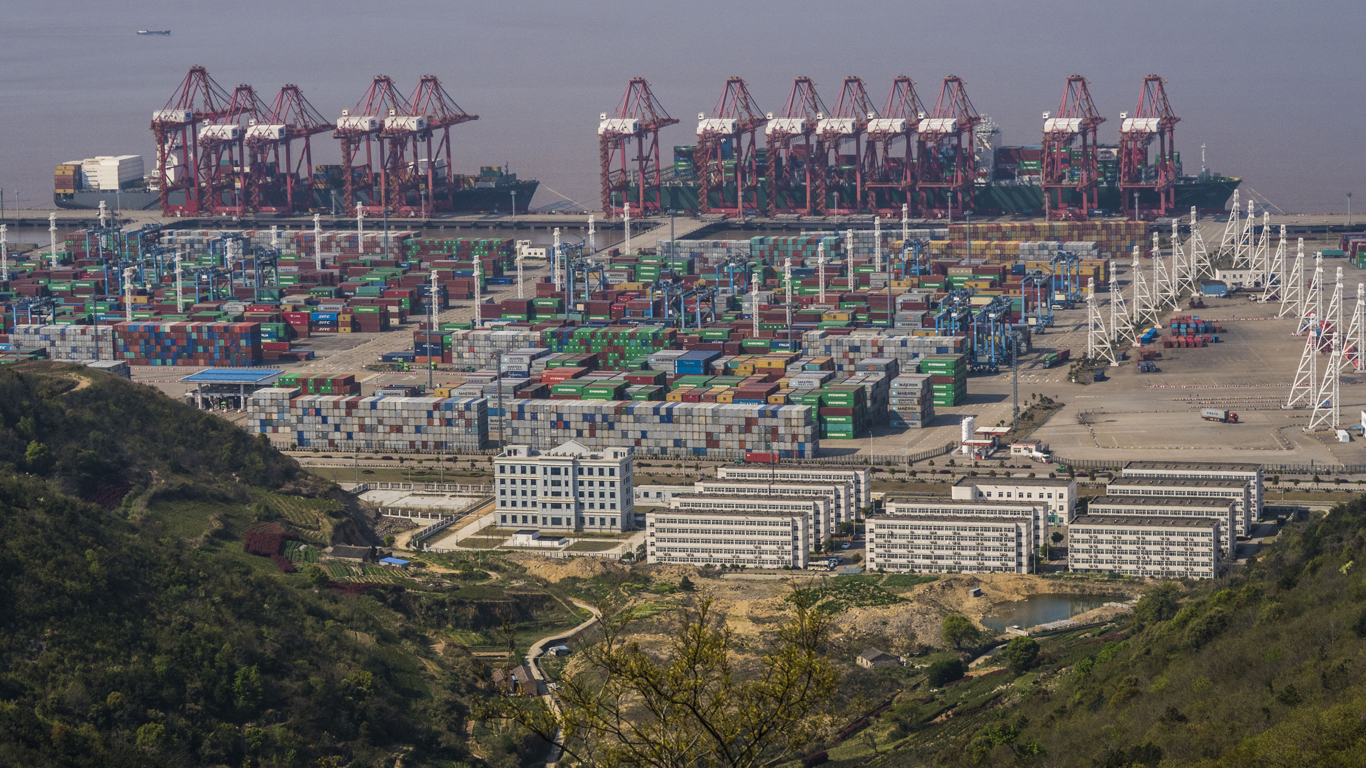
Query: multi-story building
x,y
841,495
1220,510
1164,547
1060,494
1035,510
818,511
1239,491
950,543
569,488
863,489
1248,473
659,495
740,536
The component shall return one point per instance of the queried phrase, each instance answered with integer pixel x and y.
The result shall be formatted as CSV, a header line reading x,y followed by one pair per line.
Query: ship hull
x,y
466,200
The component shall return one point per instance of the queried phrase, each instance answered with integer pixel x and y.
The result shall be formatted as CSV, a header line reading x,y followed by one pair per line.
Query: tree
x,y
687,706
945,671
389,540
1020,653
686,584
37,457
847,528
1057,537
317,577
1158,603
1046,551
959,632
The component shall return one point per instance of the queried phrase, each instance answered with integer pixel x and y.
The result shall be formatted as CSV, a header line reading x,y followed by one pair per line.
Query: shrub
x,y
943,672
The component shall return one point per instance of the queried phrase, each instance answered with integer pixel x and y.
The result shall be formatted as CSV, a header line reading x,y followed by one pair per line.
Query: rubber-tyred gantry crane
x,y
944,152
416,174
280,175
179,169
795,151
1066,168
727,151
1153,119
847,172
222,145
362,145
891,138
638,117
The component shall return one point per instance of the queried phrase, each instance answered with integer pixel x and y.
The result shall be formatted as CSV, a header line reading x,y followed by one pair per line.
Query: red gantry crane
x,y
176,129
845,171
793,150
1153,119
727,151
280,176
891,138
640,117
360,129
415,177
222,144
1066,168
944,152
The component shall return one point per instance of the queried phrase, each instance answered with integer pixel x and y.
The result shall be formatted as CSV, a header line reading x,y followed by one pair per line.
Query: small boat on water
x,y
154,31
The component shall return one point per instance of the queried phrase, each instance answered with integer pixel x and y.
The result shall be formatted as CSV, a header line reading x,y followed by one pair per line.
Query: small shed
x,y
355,554
873,658
1214,288
394,562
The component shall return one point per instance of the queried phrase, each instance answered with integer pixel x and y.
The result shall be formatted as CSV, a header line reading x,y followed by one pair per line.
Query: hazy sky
x,y
1274,89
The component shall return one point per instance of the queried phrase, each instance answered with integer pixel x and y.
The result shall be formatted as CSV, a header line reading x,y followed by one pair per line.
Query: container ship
x,y
1006,185
118,182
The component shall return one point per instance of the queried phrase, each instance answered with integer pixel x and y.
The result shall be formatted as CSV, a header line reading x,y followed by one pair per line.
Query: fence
x,y
430,487
1306,469
431,530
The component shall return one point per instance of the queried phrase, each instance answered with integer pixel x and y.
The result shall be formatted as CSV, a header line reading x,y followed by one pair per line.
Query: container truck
x,y
1214,414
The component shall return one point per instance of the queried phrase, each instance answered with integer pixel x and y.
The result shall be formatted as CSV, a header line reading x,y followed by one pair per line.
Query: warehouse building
x,y
1248,473
1034,509
1220,510
1161,547
746,535
863,490
1207,488
1058,494
840,495
951,543
569,488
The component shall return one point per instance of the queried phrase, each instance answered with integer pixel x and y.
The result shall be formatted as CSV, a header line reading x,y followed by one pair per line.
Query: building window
x,y
505,518
555,521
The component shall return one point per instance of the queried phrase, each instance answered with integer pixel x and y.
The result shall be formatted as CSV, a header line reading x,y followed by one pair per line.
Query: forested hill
x,y
1263,669
135,631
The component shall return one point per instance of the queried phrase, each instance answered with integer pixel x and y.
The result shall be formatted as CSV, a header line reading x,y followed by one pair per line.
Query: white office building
x,y
950,543
1220,510
1034,510
1153,546
1237,491
1059,494
569,488
859,478
841,496
1248,473
742,536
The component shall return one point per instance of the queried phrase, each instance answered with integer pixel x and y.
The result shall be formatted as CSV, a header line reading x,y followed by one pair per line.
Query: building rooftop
x,y
1188,502
232,376
1194,466
1178,482
671,512
1061,482
945,501
393,561
1145,521
955,519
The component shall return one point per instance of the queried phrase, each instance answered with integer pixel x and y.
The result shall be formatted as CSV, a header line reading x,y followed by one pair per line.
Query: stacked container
x,y
709,430
911,403
949,377
201,344
342,423
66,342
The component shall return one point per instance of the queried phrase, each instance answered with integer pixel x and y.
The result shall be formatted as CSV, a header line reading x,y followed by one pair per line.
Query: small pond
x,y
1041,609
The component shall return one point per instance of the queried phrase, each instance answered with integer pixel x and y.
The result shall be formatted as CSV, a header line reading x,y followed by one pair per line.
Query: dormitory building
x,y
568,488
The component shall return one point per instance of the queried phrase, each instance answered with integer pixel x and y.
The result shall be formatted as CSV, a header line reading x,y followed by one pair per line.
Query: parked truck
x,y
1214,414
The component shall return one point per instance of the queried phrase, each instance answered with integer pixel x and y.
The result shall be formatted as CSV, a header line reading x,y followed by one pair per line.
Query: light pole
x,y
514,202
1349,209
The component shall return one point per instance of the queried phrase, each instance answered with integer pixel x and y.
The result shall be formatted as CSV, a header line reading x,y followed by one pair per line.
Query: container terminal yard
x,y
862,298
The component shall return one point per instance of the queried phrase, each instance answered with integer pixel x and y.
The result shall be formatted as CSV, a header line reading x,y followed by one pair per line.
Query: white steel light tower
x,y
1121,322
478,293
556,273
1143,303
1228,243
1261,255
753,306
179,285
318,241
1274,284
1197,256
1180,269
521,254
1327,406
4,253
787,280
1356,331
905,224
1305,389
848,246
592,237
877,243
1311,309
1162,289
1098,344
820,267
52,233
360,226
626,220
1292,288
128,274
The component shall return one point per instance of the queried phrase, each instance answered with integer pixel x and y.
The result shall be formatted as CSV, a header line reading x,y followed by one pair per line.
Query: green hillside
x,y
1264,668
135,630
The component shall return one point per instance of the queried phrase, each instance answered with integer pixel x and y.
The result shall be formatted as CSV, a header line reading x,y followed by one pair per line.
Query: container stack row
x,y
341,423
66,342
911,402
200,344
